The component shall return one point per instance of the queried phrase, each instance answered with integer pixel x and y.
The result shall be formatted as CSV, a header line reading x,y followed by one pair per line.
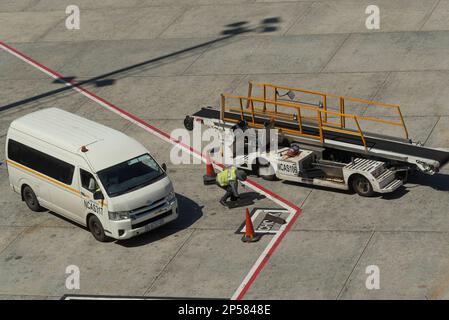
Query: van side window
x,y
86,178
40,162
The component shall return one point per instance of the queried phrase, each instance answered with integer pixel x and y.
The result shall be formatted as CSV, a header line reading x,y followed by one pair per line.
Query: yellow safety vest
x,y
226,175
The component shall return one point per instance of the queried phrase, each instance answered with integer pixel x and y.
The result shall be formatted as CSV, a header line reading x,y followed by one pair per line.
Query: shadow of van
x,y
189,212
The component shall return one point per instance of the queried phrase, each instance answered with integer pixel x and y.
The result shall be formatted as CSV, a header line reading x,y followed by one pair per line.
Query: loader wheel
x,y
267,173
271,177
362,186
30,199
265,169
188,123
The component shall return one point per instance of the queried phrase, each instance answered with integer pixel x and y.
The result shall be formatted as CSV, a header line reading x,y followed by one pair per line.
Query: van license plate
x,y
154,224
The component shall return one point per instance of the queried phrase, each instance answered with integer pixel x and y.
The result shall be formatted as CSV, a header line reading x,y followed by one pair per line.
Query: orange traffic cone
x,y
249,236
209,177
209,168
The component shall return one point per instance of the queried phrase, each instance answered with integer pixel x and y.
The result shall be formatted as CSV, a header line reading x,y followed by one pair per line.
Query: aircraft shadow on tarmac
x,y
230,31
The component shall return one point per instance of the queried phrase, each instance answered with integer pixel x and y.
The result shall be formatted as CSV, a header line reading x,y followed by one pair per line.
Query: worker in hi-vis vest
x,y
228,180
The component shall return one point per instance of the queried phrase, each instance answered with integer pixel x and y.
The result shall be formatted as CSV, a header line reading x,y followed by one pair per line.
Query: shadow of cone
x,y
209,177
249,236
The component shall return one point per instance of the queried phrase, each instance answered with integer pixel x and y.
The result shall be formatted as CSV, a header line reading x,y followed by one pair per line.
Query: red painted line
x,y
274,195
30,59
268,255
190,148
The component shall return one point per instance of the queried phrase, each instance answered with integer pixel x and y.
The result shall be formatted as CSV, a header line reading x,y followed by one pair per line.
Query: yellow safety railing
x,y
272,90
246,109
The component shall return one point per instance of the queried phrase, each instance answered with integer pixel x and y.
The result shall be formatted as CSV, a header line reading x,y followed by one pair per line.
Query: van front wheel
x,y
30,199
96,229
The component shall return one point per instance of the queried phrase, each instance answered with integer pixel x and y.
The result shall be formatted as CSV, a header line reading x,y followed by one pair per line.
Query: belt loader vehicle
x,y
334,149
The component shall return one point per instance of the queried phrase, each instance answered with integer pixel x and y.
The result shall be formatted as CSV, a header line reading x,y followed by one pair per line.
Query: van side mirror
x,y
98,195
164,167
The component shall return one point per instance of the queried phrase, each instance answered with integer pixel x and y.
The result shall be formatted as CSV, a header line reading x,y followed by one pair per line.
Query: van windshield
x,y
130,175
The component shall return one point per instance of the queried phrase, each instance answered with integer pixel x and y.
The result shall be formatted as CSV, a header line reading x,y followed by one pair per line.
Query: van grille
x,y
146,209
144,223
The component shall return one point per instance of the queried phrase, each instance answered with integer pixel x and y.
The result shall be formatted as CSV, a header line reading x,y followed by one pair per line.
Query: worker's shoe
x,y
223,202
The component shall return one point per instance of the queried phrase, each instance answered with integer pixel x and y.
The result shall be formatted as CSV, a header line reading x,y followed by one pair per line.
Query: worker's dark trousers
x,y
231,191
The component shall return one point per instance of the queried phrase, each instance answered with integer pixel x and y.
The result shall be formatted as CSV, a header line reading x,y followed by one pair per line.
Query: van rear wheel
x,y
96,228
30,199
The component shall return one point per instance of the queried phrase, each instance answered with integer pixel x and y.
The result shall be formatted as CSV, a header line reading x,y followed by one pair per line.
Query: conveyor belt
x,y
372,142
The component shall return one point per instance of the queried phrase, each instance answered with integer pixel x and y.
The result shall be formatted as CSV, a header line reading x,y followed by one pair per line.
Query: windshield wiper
x,y
141,185
161,174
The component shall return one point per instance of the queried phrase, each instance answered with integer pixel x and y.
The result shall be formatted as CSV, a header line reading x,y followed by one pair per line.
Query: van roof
x,y
106,146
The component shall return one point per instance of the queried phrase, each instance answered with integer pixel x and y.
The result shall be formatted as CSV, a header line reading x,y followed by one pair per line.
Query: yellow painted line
x,y
40,175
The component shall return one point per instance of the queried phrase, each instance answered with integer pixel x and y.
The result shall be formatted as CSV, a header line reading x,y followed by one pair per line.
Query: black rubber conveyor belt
x,y
387,145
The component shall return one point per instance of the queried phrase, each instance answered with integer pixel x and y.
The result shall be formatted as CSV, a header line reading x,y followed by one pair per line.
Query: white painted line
x,y
260,211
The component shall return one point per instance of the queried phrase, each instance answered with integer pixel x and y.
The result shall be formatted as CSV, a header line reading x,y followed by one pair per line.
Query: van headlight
x,y
118,215
171,197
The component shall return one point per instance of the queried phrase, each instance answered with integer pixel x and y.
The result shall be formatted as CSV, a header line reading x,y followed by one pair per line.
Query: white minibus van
x,y
89,173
